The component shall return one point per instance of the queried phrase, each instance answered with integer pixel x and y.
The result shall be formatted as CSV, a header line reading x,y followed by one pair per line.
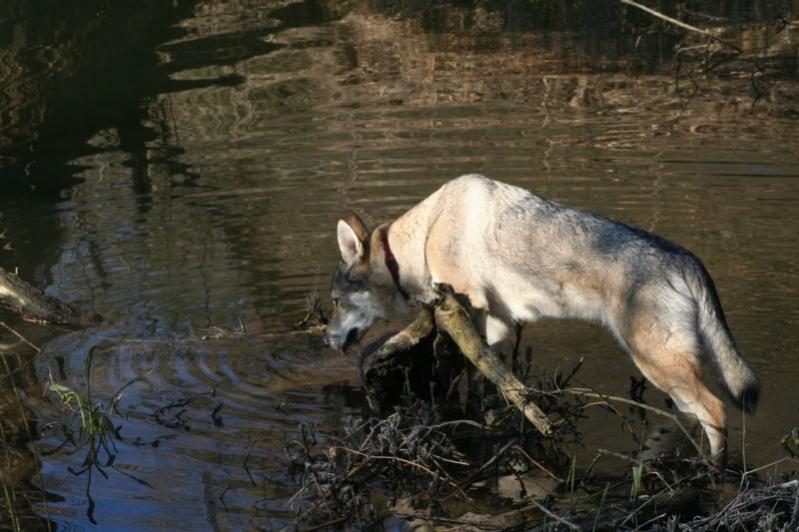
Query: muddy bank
x,y
19,461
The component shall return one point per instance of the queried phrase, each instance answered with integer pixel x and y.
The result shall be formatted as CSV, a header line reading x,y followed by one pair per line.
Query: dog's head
x,y
363,290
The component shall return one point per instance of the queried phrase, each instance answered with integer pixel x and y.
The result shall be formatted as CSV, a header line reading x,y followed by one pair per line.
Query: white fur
x,y
369,310
496,331
349,244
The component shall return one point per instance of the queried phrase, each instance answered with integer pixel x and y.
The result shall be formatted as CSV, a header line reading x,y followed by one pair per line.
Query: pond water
x,y
179,168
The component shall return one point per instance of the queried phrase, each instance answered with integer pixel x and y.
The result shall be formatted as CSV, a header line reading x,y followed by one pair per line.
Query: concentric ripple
x,y
200,409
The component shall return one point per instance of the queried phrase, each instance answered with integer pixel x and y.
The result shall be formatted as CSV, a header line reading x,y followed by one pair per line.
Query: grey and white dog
x,y
519,257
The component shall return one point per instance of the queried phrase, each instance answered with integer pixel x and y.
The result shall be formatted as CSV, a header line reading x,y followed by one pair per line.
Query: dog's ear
x,y
352,234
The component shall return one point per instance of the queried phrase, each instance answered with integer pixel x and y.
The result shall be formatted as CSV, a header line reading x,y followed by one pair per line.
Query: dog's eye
x,y
335,301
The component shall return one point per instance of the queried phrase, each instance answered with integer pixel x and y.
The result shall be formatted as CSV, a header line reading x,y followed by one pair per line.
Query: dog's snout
x,y
342,342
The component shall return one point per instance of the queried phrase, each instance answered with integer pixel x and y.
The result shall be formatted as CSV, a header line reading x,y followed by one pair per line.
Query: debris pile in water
x,y
443,449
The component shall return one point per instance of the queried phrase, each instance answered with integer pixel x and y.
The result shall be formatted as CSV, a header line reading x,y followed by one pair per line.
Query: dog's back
x,y
520,257
527,257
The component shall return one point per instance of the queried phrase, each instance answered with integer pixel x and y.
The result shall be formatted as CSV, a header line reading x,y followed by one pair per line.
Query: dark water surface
x,y
179,166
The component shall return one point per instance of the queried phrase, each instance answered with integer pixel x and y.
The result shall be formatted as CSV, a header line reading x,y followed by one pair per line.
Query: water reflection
x,y
217,142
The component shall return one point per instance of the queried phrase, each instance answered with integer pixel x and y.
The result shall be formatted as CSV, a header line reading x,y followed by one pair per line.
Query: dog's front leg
x,y
495,330
498,333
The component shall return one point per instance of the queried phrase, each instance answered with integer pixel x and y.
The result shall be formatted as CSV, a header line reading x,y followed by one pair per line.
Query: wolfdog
x,y
519,257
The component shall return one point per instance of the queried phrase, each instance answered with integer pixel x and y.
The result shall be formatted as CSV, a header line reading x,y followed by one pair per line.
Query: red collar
x,y
392,265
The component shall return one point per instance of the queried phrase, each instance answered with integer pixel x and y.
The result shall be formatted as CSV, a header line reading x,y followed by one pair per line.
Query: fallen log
x,y
453,319
33,305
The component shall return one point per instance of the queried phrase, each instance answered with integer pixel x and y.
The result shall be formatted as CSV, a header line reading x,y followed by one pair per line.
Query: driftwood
x,y
33,305
453,319
414,343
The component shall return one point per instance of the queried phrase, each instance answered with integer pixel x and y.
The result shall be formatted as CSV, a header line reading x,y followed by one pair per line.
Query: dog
x,y
519,257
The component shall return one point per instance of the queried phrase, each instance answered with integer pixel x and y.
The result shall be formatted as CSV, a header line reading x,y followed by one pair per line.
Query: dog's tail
x,y
738,378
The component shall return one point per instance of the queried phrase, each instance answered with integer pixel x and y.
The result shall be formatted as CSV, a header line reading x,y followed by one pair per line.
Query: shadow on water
x,y
178,167
69,73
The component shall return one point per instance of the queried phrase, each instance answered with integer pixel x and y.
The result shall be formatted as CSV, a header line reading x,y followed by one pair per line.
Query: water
x,y
180,167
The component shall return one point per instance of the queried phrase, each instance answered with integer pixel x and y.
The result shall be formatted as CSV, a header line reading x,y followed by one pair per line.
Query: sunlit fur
x,y
519,257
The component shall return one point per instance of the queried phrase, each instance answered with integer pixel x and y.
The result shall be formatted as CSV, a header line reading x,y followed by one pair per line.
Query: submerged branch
x,y
33,305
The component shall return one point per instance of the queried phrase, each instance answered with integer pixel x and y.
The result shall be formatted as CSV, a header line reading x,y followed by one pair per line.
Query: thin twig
x,y
332,522
20,336
299,491
535,463
680,23
565,381
589,393
458,523
456,422
774,463
450,461
554,516
639,462
642,526
482,468
393,458
452,481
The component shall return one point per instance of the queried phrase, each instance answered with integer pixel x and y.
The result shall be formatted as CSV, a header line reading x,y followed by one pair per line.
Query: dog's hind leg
x,y
658,327
671,364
